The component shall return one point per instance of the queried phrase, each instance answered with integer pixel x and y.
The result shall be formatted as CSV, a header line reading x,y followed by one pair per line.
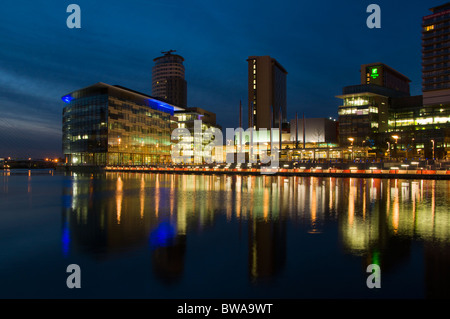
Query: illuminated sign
x,y
67,98
374,73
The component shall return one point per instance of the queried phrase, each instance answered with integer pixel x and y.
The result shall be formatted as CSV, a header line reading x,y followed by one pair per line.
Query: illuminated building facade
x,y
168,81
423,130
364,112
112,125
186,119
381,114
266,92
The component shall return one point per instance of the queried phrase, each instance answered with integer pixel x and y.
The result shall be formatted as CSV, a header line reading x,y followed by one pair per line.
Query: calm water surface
x,y
139,235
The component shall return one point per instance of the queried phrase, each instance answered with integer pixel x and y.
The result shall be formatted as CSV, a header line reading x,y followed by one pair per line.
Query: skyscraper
x,y
168,81
435,56
266,92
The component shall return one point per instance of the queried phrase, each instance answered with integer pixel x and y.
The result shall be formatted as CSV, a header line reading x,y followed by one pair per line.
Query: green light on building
x,y
374,74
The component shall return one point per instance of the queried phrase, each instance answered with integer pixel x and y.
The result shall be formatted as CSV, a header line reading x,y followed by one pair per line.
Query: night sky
x,y
320,43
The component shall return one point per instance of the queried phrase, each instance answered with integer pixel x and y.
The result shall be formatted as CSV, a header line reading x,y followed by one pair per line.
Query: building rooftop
x,y
387,67
441,8
273,60
100,85
370,90
169,54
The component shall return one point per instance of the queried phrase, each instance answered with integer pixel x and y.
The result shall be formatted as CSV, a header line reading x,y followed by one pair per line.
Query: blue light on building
x,y
67,98
160,106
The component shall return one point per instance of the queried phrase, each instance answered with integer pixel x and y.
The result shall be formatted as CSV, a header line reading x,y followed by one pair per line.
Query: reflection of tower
x,y
266,231
267,247
168,260
437,274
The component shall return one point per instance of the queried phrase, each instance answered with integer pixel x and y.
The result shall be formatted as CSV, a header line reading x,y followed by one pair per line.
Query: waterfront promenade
x,y
393,172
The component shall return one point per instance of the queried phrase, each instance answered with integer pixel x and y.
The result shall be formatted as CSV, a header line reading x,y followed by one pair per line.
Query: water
x,y
140,235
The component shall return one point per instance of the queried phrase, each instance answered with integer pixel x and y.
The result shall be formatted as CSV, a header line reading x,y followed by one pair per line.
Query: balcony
x,y
372,88
436,60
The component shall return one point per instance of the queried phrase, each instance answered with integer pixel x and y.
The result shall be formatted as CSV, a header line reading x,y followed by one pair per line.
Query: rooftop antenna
x,y
168,52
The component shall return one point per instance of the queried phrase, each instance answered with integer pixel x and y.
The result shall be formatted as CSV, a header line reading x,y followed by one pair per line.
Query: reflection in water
x,y
119,196
377,219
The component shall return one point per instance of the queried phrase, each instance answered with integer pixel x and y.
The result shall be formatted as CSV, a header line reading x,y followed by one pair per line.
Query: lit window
x,y
254,87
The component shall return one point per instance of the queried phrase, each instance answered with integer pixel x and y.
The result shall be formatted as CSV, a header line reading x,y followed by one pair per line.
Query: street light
x,y
432,141
395,137
351,139
389,149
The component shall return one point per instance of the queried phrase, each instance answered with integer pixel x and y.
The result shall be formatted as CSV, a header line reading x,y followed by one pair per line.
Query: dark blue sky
x,y
320,43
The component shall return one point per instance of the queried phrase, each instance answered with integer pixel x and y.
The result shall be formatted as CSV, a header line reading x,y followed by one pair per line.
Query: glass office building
x,y
112,125
423,130
363,114
199,141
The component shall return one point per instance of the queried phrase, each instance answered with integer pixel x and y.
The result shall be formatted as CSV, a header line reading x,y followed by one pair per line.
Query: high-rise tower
x,y
168,81
266,92
435,56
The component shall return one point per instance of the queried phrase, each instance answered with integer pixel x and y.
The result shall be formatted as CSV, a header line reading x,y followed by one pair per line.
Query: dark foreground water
x,y
189,236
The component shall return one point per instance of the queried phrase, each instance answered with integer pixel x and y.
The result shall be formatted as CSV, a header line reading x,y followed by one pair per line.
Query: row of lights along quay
x,y
379,125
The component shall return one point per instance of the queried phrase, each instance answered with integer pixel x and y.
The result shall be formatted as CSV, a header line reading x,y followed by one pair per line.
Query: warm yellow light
x,y
351,139
395,136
